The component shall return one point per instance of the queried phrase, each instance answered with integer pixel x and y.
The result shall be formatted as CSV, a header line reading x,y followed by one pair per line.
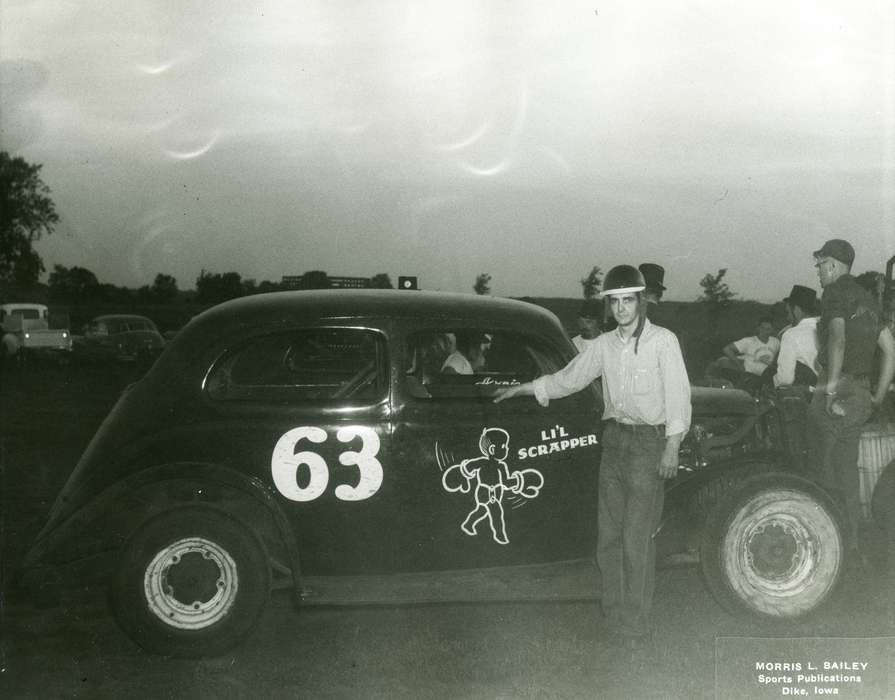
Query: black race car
x,y
314,441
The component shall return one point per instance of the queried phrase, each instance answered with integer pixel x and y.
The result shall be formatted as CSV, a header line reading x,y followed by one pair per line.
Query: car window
x,y
139,324
320,364
465,362
26,314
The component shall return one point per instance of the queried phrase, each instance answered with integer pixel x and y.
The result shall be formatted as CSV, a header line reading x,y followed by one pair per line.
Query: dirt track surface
x,y
443,651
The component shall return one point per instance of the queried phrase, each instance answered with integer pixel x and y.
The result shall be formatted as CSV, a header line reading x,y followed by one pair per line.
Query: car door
x,y
96,343
487,484
305,410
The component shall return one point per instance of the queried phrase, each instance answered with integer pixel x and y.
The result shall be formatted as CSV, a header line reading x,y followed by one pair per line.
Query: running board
x,y
557,581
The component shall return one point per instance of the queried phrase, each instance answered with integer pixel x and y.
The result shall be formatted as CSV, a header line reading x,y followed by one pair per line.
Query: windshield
x,y
25,314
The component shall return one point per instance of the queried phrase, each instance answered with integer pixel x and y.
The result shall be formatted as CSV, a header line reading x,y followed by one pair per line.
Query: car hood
x,y
711,401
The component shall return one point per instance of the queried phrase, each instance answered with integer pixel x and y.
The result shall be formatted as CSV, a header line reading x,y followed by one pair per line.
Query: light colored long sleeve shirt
x,y
580,342
648,387
797,344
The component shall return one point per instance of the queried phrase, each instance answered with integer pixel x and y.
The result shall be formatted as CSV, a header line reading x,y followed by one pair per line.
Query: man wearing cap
x,y
849,331
590,316
797,359
647,413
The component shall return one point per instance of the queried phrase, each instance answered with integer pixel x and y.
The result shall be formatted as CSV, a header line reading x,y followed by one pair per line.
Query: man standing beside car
x,y
797,359
795,371
647,413
848,333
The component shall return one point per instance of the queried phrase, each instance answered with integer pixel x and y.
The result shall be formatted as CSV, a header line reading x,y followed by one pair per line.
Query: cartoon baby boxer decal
x,y
491,479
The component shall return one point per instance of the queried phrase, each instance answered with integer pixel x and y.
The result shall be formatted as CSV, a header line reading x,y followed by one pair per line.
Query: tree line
x,y
27,213
78,285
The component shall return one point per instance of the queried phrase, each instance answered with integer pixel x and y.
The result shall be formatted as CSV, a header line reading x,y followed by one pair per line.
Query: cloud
x,y
21,82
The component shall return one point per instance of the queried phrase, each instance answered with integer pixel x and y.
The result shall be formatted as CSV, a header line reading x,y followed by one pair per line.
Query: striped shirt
x,y
650,387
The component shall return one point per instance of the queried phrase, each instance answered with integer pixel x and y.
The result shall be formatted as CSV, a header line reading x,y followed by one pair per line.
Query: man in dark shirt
x,y
849,331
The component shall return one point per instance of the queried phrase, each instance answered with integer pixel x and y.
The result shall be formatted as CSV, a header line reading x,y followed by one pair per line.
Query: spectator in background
x,y
654,276
797,360
590,317
469,357
796,369
849,331
747,356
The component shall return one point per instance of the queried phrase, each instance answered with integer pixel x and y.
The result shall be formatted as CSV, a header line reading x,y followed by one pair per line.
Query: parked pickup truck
x,y
26,330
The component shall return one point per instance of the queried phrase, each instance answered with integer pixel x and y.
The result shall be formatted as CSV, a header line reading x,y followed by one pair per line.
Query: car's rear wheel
x,y
191,582
773,548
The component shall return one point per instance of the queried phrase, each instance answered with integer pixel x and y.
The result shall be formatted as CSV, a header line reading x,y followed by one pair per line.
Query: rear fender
x,y
97,530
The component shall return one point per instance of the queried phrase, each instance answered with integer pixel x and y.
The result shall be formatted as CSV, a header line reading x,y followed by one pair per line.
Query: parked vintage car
x,y
119,338
308,441
25,329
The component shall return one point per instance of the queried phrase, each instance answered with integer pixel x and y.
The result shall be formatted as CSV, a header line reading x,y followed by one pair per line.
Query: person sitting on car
x,y
469,357
747,359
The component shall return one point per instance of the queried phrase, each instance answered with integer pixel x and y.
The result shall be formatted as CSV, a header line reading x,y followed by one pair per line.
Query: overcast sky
x,y
530,140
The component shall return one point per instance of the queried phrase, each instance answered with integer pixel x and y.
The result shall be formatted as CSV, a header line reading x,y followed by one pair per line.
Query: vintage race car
x,y
311,441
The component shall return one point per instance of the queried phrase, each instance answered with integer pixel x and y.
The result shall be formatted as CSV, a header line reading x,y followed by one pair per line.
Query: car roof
x,y
15,306
121,317
351,303
299,307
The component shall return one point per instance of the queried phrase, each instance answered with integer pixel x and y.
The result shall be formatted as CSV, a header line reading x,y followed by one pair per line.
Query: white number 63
x,y
285,463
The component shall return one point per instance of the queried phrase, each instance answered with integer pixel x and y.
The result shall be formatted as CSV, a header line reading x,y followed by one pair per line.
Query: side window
x,y
318,364
465,362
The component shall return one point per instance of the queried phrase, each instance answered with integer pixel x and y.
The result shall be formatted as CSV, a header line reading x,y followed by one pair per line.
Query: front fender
x,y
689,481
11,343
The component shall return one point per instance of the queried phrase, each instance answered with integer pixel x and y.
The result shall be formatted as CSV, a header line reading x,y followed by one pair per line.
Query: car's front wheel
x,y
773,548
190,582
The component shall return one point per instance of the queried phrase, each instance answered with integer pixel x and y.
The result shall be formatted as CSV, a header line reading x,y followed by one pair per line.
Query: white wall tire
x,y
774,548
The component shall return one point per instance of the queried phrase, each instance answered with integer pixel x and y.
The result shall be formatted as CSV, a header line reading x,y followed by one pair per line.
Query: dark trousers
x,y
835,441
629,510
794,402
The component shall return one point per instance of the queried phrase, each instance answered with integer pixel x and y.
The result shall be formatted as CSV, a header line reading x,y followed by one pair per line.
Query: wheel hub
x,y
191,583
773,550
194,577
